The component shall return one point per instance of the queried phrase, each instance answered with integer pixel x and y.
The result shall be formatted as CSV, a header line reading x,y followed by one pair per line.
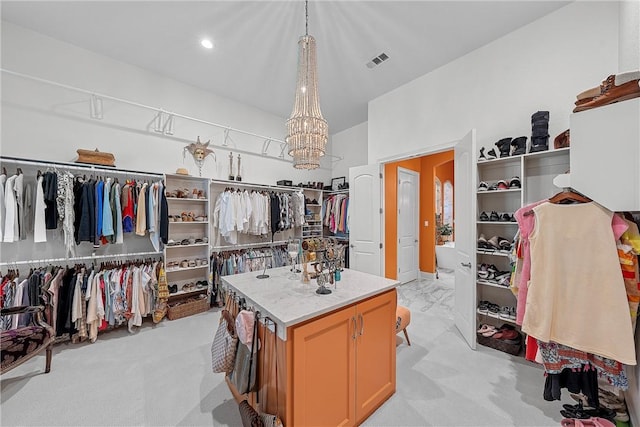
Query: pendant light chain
x,y
306,17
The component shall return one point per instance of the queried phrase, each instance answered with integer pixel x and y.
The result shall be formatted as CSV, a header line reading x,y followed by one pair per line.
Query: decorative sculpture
x,y
199,151
231,177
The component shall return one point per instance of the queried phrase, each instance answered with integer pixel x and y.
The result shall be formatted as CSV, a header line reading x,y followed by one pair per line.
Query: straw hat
x,y
182,171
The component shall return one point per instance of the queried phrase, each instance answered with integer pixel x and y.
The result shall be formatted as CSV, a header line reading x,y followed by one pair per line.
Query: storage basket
x,y
501,345
187,307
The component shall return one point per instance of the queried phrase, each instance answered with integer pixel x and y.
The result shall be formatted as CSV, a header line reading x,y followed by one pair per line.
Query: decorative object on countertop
x,y
199,151
307,130
95,157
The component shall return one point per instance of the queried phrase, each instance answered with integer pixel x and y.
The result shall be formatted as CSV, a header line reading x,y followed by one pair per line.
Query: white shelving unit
x,y
536,172
185,230
313,214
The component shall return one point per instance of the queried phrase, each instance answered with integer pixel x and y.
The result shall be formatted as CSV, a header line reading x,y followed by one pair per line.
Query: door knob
x,y
415,241
351,246
466,264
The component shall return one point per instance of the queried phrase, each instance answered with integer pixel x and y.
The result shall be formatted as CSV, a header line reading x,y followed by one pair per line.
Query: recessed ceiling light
x,y
206,43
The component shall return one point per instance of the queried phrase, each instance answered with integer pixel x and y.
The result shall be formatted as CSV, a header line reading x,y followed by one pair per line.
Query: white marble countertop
x,y
289,302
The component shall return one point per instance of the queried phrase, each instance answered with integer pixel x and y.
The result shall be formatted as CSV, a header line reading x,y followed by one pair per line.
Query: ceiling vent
x,y
377,60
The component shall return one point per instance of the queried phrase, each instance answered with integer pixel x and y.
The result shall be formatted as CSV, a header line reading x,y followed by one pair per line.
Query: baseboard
x,y
425,275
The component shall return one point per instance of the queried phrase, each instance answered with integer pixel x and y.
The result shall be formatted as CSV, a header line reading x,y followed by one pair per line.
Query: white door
x,y
408,200
365,219
465,229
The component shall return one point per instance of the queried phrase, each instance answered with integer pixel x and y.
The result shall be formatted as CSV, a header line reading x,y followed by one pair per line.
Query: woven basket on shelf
x,y
187,307
500,344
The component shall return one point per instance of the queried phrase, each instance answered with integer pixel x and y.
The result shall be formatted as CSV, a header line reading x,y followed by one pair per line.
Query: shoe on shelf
x,y
502,185
515,182
494,216
493,187
482,242
615,88
491,154
484,216
482,157
519,145
504,145
483,186
483,306
505,217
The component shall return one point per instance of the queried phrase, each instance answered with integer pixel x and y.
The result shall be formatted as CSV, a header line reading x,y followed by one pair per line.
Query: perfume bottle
x,y
231,177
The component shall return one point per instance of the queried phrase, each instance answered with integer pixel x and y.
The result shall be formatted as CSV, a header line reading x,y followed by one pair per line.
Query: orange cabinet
x,y
344,363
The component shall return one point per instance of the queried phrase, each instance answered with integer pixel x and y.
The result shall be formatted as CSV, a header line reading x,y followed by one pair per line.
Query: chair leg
x,y
406,336
48,363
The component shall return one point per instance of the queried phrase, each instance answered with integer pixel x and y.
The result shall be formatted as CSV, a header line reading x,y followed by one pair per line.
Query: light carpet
x,y
162,376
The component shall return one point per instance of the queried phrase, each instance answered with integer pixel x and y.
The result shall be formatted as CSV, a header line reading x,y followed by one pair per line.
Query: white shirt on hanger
x,y
11,208
39,226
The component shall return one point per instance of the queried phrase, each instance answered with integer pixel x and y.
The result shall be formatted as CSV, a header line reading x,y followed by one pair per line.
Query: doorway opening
x,y
431,169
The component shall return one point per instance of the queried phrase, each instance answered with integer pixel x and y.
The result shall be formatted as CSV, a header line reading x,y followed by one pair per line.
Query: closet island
x,y
336,353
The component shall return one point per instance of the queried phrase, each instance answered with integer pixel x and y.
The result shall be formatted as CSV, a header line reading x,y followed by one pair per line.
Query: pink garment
x,y
526,225
244,327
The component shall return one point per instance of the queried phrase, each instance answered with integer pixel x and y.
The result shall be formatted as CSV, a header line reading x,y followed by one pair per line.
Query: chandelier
x,y
307,130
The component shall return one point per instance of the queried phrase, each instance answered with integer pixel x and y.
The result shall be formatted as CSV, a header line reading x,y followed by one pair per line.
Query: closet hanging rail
x,y
79,258
249,186
75,166
248,246
227,129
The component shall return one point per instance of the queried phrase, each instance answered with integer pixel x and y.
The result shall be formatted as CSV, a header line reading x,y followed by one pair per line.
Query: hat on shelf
x,y
182,171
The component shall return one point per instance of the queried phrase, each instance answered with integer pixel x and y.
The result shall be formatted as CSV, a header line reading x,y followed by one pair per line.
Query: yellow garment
x,y
576,295
631,237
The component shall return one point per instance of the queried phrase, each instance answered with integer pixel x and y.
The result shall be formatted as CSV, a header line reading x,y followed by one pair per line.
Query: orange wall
x,y
391,212
426,166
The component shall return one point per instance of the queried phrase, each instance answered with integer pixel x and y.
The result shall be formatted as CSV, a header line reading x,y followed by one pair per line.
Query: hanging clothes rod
x,y
75,166
227,129
248,246
79,258
261,186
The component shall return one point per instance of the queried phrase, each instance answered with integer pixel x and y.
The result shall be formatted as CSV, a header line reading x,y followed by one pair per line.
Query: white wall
x,y
43,122
496,88
351,145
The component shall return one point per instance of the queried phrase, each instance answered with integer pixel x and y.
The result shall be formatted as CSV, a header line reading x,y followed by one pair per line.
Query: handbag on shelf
x,y
249,416
243,375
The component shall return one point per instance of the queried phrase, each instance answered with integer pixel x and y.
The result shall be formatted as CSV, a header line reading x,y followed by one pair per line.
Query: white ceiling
x,y
255,57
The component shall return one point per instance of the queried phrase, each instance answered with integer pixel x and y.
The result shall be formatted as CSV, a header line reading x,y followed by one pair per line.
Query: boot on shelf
x,y
539,132
504,145
519,145
491,154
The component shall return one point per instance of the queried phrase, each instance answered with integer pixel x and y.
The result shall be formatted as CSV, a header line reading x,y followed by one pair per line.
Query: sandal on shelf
x,y
184,242
484,328
184,263
483,186
201,194
194,193
502,185
192,263
494,216
171,194
484,216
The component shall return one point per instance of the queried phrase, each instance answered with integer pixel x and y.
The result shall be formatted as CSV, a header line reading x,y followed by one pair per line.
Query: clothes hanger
x,y
568,195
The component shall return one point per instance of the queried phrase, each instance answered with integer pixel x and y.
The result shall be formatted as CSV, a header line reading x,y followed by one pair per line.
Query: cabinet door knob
x,y
355,327
361,323
466,264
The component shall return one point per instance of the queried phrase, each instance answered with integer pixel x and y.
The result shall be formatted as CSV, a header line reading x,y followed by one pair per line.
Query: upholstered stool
x,y
403,318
